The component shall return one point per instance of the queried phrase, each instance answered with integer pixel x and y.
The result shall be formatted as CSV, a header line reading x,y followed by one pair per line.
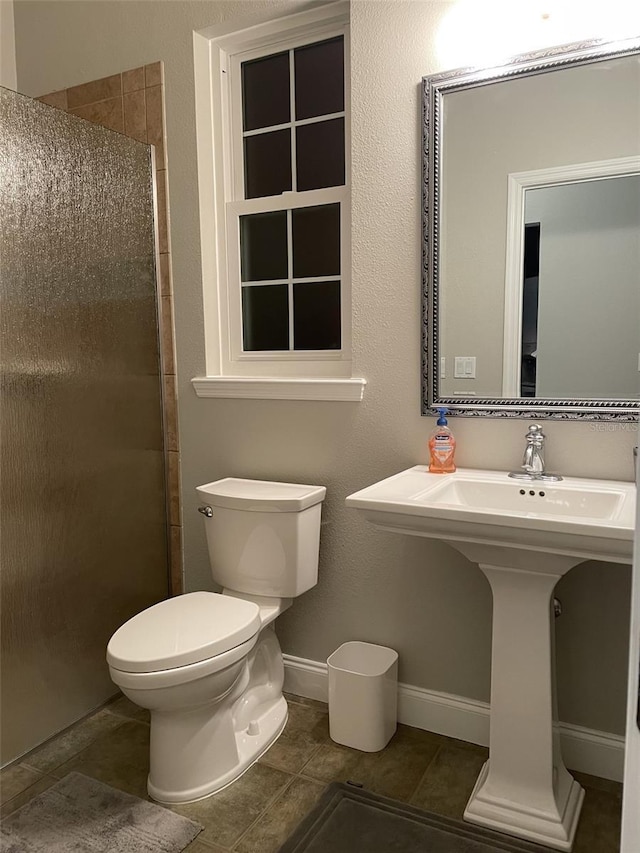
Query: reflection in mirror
x,y
579,294
532,236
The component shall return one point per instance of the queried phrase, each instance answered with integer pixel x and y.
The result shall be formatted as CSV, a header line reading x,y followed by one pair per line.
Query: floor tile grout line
x,y
24,761
41,776
271,803
426,771
309,759
324,710
306,777
266,763
53,770
210,845
125,717
26,766
49,771
7,803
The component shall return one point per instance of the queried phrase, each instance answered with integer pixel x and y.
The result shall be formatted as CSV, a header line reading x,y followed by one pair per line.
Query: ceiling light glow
x,y
481,33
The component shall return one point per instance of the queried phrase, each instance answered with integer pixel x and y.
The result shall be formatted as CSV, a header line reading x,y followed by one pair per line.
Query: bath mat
x,y
81,815
348,819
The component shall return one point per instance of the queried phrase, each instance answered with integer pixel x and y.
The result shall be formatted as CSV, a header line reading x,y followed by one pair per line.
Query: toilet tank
x,y
263,537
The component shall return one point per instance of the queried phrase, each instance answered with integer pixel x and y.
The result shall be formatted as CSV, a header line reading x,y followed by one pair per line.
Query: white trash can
x,y
363,695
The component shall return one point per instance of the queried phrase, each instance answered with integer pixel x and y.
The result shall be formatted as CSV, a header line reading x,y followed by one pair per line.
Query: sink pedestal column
x,y
525,789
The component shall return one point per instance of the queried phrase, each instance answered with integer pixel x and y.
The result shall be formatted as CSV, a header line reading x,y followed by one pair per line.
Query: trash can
x,y
363,695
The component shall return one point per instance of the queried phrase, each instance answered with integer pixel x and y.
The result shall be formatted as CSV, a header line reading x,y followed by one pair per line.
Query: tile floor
x,y
256,813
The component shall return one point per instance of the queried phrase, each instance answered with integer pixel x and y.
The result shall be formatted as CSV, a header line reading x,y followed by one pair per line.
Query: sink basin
x,y
486,493
524,536
589,519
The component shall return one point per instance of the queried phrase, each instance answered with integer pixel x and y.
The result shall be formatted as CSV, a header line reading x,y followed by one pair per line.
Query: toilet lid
x,y
182,630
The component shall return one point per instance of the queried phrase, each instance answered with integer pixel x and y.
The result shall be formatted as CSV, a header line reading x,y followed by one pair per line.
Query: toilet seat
x,y
181,631
180,675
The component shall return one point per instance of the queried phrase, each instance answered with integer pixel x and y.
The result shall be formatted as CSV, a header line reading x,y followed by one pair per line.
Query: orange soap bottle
x,y
442,447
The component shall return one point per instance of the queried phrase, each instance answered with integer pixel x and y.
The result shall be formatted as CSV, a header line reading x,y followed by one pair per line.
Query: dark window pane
x,y
316,315
320,154
265,317
263,246
266,100
319,78
316,241
267,163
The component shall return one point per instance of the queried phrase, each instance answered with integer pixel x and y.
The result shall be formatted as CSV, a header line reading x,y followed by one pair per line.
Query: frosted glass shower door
x,y
82,485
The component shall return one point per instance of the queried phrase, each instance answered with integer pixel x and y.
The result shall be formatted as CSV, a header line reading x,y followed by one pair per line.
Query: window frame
x,y
218,61
268,204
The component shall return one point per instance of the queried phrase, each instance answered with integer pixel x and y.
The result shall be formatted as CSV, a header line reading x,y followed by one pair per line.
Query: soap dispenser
x,y
442,447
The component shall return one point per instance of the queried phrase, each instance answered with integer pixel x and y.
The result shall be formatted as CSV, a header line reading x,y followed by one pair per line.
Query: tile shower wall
x,y
132,103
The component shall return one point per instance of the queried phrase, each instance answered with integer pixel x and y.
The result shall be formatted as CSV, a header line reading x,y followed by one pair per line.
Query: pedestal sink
x,y
524,536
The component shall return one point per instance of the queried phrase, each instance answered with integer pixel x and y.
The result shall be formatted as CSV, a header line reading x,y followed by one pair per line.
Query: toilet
x,y
208,666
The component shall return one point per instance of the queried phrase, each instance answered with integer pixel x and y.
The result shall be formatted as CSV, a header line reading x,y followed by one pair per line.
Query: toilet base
x,y
195,752
250,747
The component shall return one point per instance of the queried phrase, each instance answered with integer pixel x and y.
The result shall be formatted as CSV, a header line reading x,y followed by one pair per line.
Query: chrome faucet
x,y
533,460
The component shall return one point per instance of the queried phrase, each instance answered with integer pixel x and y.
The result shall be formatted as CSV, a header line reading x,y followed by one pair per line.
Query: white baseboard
x,y
585,750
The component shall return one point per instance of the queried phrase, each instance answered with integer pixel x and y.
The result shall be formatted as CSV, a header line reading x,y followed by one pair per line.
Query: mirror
x,y
531,224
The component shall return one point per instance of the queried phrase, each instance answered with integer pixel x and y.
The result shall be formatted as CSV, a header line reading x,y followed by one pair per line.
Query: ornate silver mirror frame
x,y
434,90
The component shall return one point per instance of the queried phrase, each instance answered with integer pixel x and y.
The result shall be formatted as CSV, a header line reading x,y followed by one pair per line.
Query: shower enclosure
x,y
82,481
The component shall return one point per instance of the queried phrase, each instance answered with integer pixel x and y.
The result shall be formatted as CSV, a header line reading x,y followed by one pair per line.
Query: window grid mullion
x,y
316,279
265,283
270,129
292,96
317,119
290,274
292,124
307,198
307,280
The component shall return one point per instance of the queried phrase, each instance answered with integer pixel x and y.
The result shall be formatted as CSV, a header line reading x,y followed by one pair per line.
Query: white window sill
x,y
273,388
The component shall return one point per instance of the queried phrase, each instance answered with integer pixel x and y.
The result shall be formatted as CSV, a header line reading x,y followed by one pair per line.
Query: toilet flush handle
x,y
206,510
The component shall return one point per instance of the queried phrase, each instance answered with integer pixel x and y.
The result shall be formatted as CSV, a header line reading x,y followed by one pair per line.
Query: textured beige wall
x,y
416,595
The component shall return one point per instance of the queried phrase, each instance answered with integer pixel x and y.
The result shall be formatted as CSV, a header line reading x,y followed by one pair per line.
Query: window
x,y
285,230
273,159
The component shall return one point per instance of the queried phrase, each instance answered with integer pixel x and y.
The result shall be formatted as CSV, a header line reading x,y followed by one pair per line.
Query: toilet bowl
x,y
208,666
